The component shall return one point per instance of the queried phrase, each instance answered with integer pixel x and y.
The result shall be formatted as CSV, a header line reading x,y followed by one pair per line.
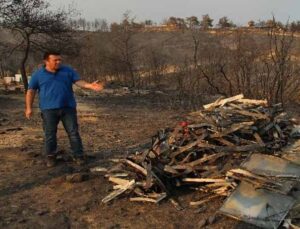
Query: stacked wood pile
x,y
199,152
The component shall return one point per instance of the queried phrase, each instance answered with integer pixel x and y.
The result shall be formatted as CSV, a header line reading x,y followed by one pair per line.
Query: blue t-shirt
x,y
55,89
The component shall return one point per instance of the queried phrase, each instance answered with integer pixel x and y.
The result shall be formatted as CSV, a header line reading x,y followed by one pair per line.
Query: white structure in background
x,y
18,78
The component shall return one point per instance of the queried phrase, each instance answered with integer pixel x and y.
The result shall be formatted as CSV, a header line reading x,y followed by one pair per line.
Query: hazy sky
x,y
239,11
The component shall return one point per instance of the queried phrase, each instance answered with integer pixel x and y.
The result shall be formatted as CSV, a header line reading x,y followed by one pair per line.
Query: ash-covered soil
x,y
34,196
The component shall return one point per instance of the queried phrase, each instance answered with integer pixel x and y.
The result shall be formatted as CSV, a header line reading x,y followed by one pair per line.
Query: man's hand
x,y
28,113
29,101
95,86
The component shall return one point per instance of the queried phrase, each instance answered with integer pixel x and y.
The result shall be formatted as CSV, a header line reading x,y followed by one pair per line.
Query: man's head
x,y
52,61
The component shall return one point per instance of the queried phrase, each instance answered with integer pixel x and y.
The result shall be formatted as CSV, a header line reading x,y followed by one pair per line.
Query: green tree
x,y
224,22
192,21
206,22
295,26
149,22
271,23
251,23
180,23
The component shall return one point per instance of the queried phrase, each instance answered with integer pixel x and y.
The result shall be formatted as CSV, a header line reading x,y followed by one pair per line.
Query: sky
x,y
239,11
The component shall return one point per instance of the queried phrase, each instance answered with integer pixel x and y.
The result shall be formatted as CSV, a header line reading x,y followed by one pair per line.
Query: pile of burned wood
x,y
199,152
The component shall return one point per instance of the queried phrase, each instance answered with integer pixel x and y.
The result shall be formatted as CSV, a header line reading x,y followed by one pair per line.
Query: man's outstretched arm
x,y
95,86
29,102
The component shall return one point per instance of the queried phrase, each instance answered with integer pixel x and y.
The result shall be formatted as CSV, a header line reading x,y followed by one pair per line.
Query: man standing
x,y
54,83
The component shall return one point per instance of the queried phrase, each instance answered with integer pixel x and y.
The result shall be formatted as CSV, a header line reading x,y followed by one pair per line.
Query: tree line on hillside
x,y
192,22
185,65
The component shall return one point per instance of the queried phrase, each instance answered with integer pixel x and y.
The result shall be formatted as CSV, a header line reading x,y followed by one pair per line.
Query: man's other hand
x,y
95,86
28,113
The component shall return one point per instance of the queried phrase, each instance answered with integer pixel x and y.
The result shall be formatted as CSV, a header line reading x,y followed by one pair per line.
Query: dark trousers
x,y
68,116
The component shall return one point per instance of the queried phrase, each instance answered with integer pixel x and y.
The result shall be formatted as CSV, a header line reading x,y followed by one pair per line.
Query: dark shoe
x,y
80,160
50,161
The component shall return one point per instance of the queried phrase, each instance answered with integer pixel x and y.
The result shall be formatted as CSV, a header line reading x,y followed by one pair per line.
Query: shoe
x,y
81,160
50,161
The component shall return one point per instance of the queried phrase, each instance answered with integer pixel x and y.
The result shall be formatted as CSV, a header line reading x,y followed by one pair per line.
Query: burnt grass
x,y
34,196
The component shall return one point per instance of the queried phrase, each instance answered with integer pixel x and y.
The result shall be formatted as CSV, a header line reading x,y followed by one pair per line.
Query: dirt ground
x,y
34,196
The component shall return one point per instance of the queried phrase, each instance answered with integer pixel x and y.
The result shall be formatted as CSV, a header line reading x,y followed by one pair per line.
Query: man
x,y
54,83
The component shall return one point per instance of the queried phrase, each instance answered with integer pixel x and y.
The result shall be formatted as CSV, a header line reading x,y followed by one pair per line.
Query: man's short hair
x,y
48,53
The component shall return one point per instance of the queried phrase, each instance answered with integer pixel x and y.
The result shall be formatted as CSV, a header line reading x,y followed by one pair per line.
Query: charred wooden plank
x,y
176,204
225,142
200,202
246,148
170,169
233,128
222,102
187,147
151,198
202,160
149,175
136,166
142,199
253,102
252,114
258,139
118,192
118,181
203,180
117,175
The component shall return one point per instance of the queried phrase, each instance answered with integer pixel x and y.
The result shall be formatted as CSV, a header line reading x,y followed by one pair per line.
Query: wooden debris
x,y
117,175
199,152
203,180
118,181
98,169
206,199
123,188
176,204
136,166
202,160
145,199
142,199
223,102
254,102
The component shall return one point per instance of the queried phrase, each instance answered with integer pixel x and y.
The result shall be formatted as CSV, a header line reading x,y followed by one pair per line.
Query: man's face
x,y
53,62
